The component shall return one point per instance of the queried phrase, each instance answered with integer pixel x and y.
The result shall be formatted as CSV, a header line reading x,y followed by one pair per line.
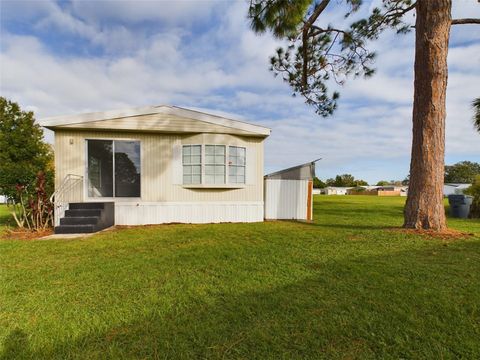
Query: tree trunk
x,y
424,208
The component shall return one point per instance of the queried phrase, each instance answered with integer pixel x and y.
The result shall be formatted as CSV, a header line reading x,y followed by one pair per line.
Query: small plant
x,y
474,191
33,211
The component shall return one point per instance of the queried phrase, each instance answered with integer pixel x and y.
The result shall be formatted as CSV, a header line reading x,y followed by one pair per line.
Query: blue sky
x,y
65,57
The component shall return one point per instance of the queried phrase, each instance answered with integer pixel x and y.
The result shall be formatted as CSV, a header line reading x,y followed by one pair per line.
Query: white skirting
x,y
144,213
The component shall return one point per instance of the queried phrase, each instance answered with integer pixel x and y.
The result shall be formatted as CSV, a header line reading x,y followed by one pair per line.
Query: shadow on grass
x,y
356,212
16,346
6,218
351,227
338,225
374,307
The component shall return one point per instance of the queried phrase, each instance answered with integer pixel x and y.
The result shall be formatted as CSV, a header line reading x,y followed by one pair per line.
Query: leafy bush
x,y
26,167
33,209
318,184
463,172
474,191
23,151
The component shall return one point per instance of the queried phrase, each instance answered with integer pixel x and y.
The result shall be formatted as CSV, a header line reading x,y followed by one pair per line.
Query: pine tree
x,y
317,54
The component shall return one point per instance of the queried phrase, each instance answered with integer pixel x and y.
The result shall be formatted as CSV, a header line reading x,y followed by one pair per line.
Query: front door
x,y
113,168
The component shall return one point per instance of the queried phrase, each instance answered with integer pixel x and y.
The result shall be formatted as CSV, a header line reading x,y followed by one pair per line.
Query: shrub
x,y
33,209
474,191
23,151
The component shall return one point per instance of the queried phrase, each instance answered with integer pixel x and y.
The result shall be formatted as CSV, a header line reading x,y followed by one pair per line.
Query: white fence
x,y
288,199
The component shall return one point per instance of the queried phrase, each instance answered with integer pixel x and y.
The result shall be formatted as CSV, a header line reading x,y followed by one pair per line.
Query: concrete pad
x,y
65,236
73,236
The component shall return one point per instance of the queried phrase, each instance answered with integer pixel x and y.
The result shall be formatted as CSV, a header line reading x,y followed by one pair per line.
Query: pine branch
x,y
319,30
305,36
465,21
376,23
316,13
315,54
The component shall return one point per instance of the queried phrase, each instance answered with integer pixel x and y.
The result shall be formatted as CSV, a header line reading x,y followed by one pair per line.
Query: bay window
x,y
213,164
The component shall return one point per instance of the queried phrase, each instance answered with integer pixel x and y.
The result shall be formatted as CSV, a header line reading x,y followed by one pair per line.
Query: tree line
x,y
345,180
463,172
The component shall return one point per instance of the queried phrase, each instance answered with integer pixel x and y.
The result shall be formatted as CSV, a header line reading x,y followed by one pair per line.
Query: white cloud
x,y
464,59
134,12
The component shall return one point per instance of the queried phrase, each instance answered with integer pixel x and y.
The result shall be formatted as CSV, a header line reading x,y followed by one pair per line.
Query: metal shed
x,y
289,193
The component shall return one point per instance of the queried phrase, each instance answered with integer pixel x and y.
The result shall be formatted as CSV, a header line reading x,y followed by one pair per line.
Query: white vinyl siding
x,y
254,169
286,199
162,168
236,164
177,162
214,164
192,164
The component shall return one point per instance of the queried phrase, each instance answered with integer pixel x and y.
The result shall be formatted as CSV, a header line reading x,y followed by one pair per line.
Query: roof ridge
x,y
58,121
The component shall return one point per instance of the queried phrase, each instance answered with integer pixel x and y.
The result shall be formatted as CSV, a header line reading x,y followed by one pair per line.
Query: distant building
x,y
392,190
336,190
388,190
454,189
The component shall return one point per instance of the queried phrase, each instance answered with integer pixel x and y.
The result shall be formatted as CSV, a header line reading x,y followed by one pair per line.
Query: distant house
x,y
392,190
388,190
454,189
361,190
336,190
3,199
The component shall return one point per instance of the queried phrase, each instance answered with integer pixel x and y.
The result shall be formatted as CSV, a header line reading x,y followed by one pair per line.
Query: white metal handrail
x,y
62,195
68,181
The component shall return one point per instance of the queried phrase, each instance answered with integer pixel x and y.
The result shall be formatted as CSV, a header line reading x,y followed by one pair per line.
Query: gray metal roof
x,y
58,121
300,172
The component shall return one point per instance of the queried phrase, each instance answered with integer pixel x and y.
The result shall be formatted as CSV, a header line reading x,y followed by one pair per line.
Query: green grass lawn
x,y
343,287
5,217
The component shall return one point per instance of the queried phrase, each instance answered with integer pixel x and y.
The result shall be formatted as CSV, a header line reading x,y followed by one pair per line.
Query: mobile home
x,y
152,165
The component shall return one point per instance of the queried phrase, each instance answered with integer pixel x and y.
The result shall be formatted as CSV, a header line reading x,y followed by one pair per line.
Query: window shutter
x,y
177,171
251,165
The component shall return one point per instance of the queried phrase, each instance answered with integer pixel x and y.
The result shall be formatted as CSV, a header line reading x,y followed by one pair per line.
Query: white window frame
x,y
192,164
226,164
86,196
236,166
215,164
